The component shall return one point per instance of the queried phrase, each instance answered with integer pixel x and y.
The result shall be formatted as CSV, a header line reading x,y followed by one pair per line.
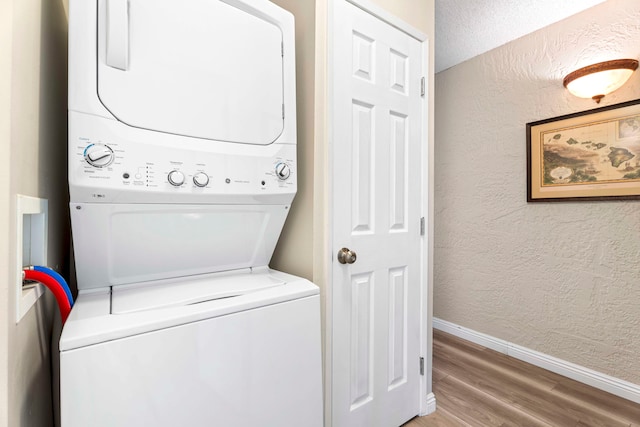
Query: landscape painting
x,y
585,156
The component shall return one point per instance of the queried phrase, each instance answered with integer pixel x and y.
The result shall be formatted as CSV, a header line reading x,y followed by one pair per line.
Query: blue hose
x,y
58,279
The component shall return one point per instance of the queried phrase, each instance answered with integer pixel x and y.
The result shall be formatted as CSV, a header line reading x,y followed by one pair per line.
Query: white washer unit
x,y
182,168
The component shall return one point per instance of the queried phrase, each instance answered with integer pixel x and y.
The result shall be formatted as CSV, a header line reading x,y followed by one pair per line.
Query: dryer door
x,y
203,68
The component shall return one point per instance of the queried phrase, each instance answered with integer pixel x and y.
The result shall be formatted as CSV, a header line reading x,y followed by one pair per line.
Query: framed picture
x,y
593,155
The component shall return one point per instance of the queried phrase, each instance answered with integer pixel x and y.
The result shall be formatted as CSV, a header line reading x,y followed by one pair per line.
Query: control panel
x,y
111,171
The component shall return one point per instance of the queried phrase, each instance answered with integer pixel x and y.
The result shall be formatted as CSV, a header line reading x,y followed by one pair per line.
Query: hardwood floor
x,y
478,387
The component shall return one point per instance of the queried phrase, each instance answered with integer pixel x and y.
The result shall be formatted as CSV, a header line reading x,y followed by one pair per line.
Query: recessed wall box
x,y
31,248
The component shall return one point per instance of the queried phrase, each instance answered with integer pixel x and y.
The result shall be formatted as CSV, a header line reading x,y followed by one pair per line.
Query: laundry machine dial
x,y
176,178
201,179
99,155
283,171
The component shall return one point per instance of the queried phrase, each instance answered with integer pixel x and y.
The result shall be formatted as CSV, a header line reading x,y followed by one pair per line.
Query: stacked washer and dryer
x,y
182,169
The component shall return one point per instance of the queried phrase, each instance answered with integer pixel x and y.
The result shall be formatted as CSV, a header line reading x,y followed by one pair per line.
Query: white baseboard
x,y
431,404
579,373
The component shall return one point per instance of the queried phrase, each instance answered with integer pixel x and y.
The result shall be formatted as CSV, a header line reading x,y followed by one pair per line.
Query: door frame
x,y
323,171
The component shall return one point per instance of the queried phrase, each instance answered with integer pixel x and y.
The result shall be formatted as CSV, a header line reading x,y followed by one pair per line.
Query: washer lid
x,y
190,290
202,68
91,321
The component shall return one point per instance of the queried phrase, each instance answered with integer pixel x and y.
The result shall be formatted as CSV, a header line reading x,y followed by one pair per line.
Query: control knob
x,y
99,155
201,179
176,178
283,171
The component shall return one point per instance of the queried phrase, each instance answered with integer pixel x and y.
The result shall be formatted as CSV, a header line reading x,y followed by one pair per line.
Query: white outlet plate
x,y
32,218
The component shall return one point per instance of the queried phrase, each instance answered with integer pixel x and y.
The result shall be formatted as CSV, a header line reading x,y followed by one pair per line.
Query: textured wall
x,y
562,278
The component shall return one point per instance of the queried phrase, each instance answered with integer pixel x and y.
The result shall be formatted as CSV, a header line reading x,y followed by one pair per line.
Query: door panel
x,y
398,288
363,167
398,176
376,203
178,65
361,342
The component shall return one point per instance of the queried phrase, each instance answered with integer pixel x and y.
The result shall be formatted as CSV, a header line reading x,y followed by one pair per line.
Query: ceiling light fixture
x,y
597,80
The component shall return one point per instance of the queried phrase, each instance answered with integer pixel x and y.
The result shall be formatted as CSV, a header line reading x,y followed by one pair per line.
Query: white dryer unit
x,y
182,169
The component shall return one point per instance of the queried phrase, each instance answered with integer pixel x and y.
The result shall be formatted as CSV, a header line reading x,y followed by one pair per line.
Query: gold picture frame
x,y
592,155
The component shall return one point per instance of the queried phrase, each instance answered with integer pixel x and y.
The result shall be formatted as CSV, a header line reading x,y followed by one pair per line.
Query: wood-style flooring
x,y
478,387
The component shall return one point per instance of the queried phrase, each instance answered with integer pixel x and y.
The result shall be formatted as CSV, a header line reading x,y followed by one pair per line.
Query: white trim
x,y
327,201
578,373
426,241
471,335
431,405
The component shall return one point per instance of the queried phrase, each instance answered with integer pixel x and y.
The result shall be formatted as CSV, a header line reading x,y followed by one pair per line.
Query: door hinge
x,y
422,366
282,49
422,86
422,226
282,111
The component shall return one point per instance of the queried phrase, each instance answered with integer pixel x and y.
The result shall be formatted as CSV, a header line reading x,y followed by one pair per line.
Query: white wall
x,y
33,162
561,278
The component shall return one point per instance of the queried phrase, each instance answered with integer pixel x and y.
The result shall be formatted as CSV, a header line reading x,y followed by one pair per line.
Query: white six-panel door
x,y
376,210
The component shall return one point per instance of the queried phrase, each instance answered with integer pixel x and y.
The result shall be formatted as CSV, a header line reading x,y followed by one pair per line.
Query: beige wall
x,y
294,252
417,13
34,159
560,278
6,21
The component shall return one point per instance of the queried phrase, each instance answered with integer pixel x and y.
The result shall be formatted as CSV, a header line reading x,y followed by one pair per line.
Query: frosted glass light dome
x,y
597,80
